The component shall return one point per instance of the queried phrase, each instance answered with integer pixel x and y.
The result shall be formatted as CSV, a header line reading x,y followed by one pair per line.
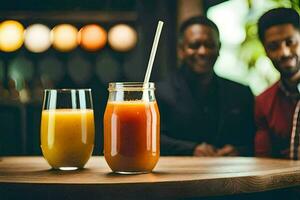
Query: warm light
x,y
122,37
64,37
37,38
11,35
92,37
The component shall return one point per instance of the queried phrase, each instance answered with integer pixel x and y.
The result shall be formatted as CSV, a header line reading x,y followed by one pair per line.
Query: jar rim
x,y
130,86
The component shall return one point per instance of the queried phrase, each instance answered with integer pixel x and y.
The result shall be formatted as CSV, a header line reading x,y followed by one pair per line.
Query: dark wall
x,y
54,5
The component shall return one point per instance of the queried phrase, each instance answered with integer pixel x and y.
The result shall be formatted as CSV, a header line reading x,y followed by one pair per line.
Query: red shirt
x,y
274,111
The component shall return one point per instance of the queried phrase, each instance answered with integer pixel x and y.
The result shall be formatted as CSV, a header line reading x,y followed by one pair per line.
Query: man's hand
x,y
205,150
227,150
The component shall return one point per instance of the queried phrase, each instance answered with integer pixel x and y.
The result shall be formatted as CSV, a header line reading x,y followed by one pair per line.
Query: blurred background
x,y
86,44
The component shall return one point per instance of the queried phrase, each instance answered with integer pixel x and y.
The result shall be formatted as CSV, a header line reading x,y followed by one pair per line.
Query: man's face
x,y
199,49
282,45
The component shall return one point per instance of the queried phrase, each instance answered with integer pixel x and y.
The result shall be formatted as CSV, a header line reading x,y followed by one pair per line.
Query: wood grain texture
x,y
173,177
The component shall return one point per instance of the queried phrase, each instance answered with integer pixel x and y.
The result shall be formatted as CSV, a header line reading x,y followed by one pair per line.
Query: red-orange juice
x,y
67,137
131,136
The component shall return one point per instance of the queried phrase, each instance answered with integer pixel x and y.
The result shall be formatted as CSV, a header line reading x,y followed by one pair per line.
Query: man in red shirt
x,y
277,108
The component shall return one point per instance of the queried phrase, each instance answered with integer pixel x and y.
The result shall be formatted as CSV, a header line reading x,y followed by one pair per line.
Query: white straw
x,y
153,51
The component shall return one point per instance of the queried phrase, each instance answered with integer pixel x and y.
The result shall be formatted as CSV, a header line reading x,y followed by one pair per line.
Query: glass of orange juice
x,y
67,128
131,128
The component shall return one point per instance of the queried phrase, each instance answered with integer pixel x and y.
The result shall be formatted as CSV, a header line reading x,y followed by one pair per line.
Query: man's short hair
x,y
277,16
201,20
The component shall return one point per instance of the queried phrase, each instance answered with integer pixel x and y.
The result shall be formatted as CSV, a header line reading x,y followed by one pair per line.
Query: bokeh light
x,y
37,38
20,69
107,68
122,37
64,37
2,71
92,37
51,70
79,69
11,35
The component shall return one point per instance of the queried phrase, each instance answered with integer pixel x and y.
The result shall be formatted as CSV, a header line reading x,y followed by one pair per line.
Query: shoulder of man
x,y
264,103
268,95
166,88
234,88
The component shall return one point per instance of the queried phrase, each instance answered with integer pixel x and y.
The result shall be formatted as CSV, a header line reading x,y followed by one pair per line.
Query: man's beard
x,y
287,71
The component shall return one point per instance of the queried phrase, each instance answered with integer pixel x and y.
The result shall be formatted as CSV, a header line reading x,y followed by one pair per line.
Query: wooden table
x,y
173,177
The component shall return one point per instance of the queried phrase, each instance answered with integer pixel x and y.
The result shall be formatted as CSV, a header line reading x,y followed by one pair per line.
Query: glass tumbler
x,y
67,128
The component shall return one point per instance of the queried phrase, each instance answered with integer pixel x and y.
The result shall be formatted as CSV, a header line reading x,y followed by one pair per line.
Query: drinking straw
x,y
153,51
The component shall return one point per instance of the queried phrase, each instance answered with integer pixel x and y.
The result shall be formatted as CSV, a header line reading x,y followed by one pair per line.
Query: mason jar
x,y
131,128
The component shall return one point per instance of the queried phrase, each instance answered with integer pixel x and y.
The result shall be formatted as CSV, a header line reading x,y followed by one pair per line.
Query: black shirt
x,y
223,115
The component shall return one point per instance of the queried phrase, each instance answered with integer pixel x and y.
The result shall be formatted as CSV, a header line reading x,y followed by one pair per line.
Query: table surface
x,y
172,177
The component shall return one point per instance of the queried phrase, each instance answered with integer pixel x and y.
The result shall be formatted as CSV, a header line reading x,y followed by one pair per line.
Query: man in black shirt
x,y
203,114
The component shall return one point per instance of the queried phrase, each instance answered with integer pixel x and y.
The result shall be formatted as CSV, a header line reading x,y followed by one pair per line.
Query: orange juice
x,y
67,137
131,136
